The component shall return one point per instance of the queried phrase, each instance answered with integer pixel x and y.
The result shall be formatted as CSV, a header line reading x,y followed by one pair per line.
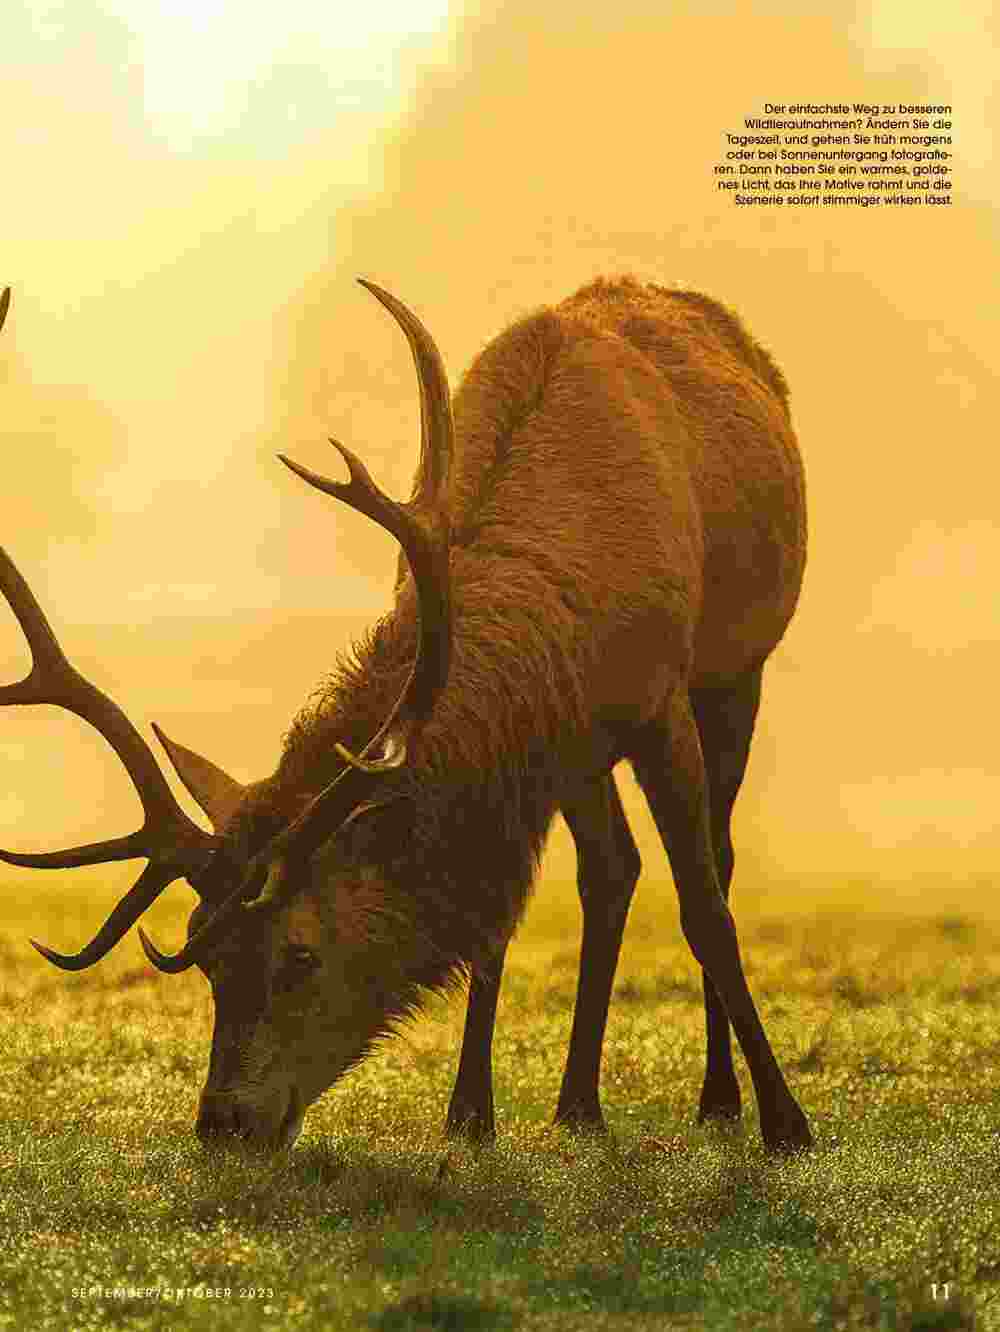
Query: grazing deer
x,y
605,541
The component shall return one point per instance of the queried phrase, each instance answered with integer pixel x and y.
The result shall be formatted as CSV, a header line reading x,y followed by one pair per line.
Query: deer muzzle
x,y
227,1119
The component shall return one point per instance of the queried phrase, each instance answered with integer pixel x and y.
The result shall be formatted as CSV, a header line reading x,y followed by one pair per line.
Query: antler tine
x,y
427,554
143,893
53,679
360,493
46,654
4,304
94,853
174,845
437,428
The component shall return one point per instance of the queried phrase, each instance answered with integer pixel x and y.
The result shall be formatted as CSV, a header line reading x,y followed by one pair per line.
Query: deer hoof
x,y
470,1127
579,1119
788,1132
719,1104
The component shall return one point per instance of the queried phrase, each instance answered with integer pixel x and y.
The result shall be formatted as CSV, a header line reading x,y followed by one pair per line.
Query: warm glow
x,y
261,75
255,75
189,188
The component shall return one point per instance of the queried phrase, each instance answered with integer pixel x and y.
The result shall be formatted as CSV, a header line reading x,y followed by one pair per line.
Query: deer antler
x,y
423,529
427,555
176,847
437,430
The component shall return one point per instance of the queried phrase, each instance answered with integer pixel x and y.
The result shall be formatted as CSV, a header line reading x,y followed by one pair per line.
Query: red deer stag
x,y
605,541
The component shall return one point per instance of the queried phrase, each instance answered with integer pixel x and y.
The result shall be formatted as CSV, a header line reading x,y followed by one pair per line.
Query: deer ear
x,y
216,792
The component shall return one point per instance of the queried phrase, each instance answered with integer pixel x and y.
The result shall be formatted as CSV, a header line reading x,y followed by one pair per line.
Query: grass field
x,y
887,1026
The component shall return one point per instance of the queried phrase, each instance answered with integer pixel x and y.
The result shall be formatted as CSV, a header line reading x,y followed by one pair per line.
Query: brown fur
x,y
611,538
627,515
628,541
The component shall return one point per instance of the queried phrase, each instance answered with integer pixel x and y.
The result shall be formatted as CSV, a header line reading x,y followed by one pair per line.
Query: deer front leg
x,y
470,1111
669,766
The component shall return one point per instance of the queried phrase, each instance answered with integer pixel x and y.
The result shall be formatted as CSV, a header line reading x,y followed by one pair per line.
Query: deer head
x,y
308,959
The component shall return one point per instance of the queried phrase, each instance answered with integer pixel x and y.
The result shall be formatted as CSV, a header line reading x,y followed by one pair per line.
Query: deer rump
x,y
605,541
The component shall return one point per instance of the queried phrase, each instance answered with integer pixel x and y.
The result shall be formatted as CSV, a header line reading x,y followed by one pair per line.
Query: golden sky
x,y
188,191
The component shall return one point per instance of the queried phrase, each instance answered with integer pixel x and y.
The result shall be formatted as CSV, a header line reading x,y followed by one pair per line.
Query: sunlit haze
x,y
188,192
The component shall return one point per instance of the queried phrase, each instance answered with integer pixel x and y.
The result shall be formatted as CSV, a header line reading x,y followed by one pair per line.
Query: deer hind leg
x,y
607,870
668,763
725,719
470,1111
